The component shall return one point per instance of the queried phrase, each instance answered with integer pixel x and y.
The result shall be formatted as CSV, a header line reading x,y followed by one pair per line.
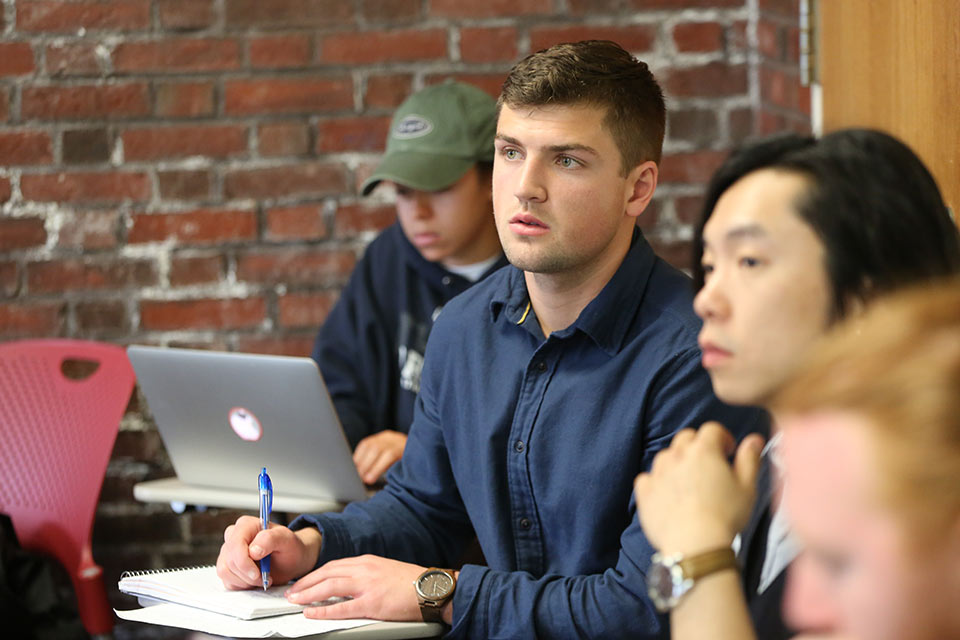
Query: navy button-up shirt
x,y
534,443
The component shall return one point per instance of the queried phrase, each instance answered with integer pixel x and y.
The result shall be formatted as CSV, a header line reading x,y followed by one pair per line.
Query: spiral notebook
x,y
200,587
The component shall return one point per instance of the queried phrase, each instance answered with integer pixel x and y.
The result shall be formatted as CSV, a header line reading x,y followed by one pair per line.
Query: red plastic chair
x,y
57,434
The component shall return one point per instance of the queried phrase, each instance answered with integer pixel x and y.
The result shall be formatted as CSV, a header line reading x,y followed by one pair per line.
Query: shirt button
x,y
524,523
519,446
446,280
541,366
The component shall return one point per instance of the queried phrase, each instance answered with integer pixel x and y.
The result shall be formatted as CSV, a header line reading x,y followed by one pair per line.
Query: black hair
x,y
870,200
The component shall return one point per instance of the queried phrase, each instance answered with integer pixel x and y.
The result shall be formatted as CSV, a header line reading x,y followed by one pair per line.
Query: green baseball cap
x,y
436,135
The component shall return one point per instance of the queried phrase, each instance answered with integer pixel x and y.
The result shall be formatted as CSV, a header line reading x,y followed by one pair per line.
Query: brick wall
x,y
185,172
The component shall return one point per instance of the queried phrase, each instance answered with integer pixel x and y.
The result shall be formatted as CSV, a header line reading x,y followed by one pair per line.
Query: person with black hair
x,y
796,235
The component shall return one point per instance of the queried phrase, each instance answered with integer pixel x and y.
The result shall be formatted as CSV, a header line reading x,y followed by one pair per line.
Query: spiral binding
x,y
150,572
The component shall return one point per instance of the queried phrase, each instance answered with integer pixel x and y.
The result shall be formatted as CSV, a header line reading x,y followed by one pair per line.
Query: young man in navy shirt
x,y
544,391
370,349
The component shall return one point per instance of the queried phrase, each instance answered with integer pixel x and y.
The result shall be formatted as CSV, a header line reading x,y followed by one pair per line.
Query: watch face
x,y
666,582
435,585
660,585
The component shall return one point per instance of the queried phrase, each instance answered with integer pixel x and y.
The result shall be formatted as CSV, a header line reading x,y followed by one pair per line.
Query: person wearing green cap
x,y
438,160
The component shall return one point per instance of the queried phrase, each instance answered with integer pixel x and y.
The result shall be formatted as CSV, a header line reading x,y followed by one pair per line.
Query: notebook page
x,y
201,588
286,626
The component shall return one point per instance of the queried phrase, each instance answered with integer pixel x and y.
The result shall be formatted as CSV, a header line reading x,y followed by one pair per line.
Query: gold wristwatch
x,y
434,589
672,576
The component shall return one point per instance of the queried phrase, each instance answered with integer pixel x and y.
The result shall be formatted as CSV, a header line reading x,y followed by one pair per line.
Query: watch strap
x,y
703,564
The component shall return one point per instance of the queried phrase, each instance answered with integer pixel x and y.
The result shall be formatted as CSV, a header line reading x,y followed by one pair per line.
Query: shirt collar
x,y
607,318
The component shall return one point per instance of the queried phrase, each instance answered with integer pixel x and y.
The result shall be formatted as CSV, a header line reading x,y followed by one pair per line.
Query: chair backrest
x,y
57,434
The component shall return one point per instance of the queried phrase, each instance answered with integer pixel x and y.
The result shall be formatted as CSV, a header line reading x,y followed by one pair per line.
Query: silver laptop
x,y
222,416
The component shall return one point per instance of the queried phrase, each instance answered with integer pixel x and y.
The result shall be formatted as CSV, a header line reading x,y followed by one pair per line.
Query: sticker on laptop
x,y
245,424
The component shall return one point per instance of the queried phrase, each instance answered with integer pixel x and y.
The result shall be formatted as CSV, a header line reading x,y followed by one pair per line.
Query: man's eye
x,y
511,154
749,262
707,269
567,162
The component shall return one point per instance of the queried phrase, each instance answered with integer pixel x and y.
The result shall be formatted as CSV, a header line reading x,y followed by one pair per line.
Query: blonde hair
x,y
899,367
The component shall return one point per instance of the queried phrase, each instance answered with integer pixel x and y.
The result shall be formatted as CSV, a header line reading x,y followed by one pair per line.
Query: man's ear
x,y
641,183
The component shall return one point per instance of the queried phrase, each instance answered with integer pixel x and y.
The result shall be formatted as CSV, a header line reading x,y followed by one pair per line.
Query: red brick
x,y
647,220
89,274
781,88
497,44
361,172
21,233
304,222
490,8
25,147
791,43
184,185
688,208
177,142
737,40
231,313
287,95
355,218
634,38
202,226
63,17
695,167
680,4
280,51
768,39
391,10
803,99
304,309
698,126
5,191
9,279
283,139
770,122
86,102
788,8
352,134
581,7
311,179
186,14
287,345
395,45
4,104
86,187
184,99
102,315
72,59
713,79
677,253
85,146
35,319
196,270
740,124
90,230
16,59
296,266
489,82
698,36
387,92
177,54
288,13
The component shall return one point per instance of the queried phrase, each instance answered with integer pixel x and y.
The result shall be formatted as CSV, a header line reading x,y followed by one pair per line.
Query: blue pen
x,y
266,505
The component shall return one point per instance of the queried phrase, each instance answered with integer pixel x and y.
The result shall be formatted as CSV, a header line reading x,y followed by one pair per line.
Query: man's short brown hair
x,y
597,73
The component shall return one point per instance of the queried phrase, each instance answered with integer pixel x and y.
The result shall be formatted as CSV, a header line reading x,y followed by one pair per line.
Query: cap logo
x,y
412,126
